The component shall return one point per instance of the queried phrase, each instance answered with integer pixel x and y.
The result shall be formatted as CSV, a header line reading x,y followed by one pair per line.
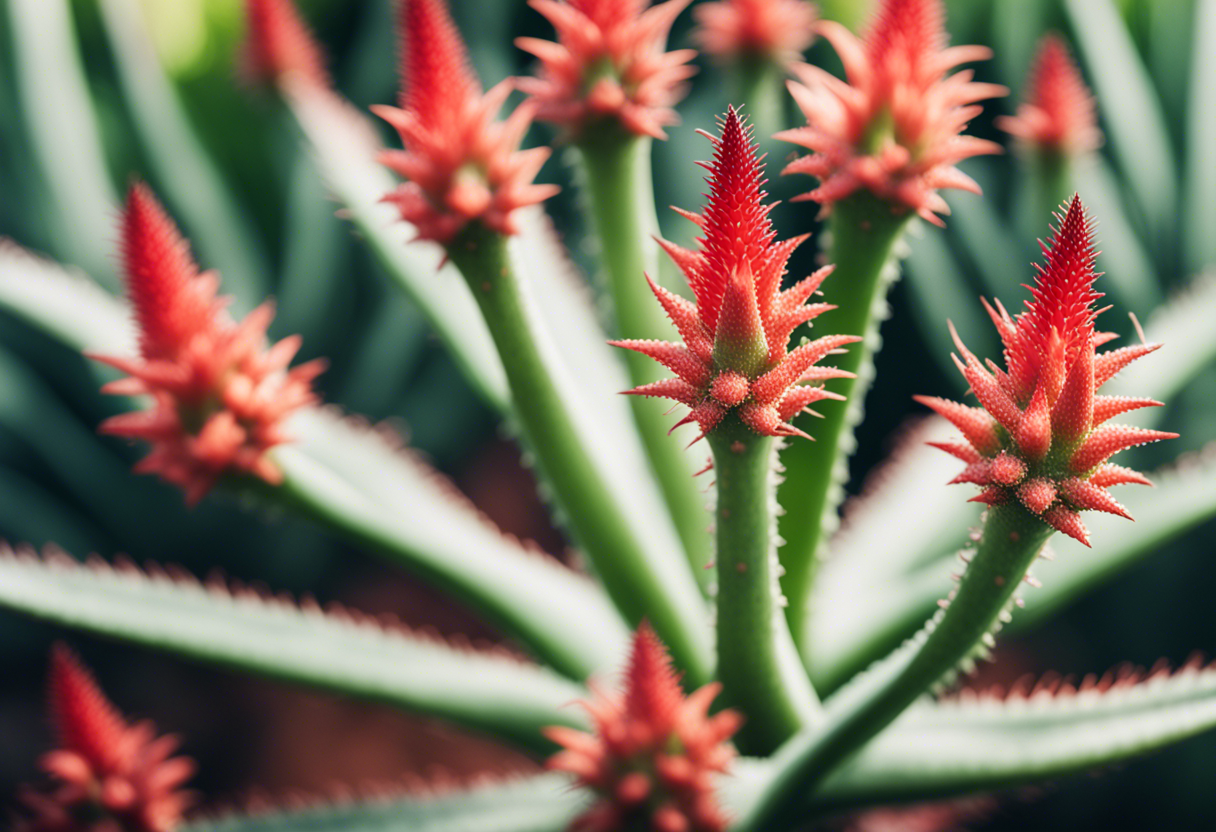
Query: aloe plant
x,y
788,655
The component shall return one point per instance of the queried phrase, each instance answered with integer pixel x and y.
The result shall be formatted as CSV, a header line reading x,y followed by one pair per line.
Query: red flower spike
x,y
279,46
108,775
736,335
220,396
608,65
461,165
1059,115
895,127
778,30
654,752
1041,440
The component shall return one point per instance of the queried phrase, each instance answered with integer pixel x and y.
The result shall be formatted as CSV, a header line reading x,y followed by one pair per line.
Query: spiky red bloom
x,y
894,128
734,356
220,396
1041,437
461,165
109,776
1059,114
608,65
779,30
278,45
654,753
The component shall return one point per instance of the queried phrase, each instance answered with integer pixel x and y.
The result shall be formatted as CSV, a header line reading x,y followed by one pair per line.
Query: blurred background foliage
x,y
85,104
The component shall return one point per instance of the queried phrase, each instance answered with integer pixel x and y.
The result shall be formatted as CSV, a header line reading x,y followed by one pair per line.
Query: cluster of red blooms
x,y
776,30
654,754
1041,439
1059,114
220,396
459,163
734,356
894,128
109,776
608,64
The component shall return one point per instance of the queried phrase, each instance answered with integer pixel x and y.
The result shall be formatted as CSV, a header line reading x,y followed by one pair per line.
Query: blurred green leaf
x,y
342,651
1131,112
64,135
536,804
218,225
31,513
1199,212
360,480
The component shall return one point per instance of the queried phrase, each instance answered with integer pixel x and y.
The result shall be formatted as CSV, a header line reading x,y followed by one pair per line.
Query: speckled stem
x,y
864,233
643,583
620,194
758,664
1012,539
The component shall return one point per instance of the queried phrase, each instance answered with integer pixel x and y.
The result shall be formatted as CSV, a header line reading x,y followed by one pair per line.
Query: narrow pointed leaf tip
x,y
654,753
776,30
608,65
894,128
279,46
1041,435
735,355
1059,114
460,164
220,395
106,774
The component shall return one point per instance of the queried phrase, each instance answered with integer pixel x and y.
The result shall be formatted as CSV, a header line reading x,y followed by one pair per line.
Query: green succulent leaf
x,y
63,132
341,651
1130,109
192,181
538,804
986,742
1184,497
1199,216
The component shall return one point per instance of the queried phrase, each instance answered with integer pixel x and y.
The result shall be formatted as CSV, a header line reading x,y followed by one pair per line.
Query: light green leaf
x,y
980,744
345,147
538,804
340,651
218,225
362,481
64,133
1130,111
895,605
1199,214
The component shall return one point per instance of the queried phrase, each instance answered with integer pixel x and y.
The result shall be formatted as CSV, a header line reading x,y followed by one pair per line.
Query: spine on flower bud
x,y
758,664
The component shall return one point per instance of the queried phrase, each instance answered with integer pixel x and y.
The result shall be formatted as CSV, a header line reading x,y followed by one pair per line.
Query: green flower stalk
x,y
743,386
882,145
609,85
1039,447
465,180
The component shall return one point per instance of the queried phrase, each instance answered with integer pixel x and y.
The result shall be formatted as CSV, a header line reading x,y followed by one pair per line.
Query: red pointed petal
x,y
1108,440
1067,521
1085,495
976,425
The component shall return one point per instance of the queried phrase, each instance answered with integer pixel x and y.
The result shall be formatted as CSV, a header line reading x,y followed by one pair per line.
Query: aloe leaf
x,y
1130,110
63,303
1184,325
1199,215
64,133
360,480
219,225
1184,497
355,477
344,147
991,249
987,742
544,803
30,512
339,650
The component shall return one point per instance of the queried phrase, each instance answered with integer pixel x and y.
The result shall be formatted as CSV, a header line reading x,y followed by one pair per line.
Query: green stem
x,y
621,194
1011,540
758,664
864,232
759,85
644,584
